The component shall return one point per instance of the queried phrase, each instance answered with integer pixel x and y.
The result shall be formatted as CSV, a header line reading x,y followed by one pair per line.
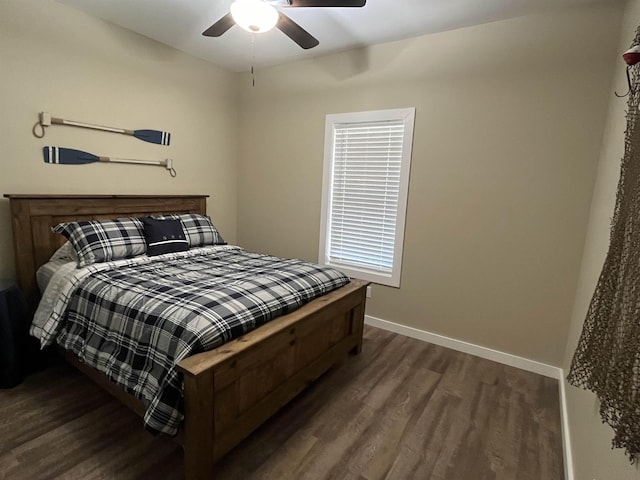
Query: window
x,y
367,158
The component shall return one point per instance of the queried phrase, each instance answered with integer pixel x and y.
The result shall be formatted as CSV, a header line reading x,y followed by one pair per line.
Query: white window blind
x,y
366,179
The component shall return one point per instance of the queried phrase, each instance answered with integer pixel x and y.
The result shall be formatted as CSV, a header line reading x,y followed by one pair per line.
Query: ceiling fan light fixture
x,y
254,16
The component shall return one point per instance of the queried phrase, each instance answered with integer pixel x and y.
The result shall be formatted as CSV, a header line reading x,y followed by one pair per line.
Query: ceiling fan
x,y
258,16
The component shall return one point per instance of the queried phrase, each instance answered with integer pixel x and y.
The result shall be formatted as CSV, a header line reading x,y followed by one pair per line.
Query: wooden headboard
x,y
32,217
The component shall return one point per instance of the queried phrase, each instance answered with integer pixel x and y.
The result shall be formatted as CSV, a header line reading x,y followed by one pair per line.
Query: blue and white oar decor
x,y
151,136
69,156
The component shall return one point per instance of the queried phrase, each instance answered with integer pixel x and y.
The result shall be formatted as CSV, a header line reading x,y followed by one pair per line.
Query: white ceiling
x,y
180,23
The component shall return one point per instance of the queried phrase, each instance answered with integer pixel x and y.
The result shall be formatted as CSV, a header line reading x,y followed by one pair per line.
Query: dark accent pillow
x,y
199,229
104,240
164,236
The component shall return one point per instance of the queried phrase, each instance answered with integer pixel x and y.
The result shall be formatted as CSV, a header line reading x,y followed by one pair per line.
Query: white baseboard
x,y
496,356
470,348
566,436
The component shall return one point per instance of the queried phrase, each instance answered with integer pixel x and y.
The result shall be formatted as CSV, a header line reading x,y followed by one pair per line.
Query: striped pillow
x,y
98,241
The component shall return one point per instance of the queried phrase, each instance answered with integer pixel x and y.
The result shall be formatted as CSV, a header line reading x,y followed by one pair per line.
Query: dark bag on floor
x,y
18,352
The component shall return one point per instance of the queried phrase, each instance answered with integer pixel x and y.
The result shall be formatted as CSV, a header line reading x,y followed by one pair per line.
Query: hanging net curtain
x,y
607,359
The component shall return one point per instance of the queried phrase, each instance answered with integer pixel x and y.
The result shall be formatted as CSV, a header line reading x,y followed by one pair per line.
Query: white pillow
x,y
65,252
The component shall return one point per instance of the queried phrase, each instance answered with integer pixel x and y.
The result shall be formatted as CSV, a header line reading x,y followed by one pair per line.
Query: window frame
x,y
407,116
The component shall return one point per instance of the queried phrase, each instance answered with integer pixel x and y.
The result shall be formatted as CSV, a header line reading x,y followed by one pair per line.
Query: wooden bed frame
x,y
229,391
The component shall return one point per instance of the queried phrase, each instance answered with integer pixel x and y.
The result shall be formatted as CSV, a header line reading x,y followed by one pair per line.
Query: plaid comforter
x,y
136,319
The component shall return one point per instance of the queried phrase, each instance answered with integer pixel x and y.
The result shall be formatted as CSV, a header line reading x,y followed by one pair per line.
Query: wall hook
x,y
631,57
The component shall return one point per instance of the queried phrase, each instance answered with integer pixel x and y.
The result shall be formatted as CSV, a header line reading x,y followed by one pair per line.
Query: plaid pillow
x,y
98,241
199,229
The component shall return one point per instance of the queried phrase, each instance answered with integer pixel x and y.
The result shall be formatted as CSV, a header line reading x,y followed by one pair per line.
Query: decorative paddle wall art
x,y
151,136
69,156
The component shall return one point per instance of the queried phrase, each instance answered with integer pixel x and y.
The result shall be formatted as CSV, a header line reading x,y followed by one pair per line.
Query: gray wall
x,y
508,128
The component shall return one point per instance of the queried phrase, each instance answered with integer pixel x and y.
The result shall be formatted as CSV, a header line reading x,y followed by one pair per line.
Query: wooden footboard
x,y
230,391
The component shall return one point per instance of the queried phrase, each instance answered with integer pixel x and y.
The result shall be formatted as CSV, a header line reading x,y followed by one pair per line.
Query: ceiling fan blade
x,y
326,3
295,32
221,26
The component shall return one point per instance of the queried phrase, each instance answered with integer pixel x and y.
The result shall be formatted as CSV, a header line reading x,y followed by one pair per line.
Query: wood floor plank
x,y
401,410
385,431
9,466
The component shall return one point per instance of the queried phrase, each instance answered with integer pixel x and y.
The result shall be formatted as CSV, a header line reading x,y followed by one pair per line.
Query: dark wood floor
x,y
401,410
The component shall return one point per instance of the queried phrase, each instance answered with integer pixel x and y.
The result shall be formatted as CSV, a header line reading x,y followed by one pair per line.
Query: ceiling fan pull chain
x,y
253,60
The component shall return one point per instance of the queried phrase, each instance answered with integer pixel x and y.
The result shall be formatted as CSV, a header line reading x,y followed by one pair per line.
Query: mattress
x,y
136,319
